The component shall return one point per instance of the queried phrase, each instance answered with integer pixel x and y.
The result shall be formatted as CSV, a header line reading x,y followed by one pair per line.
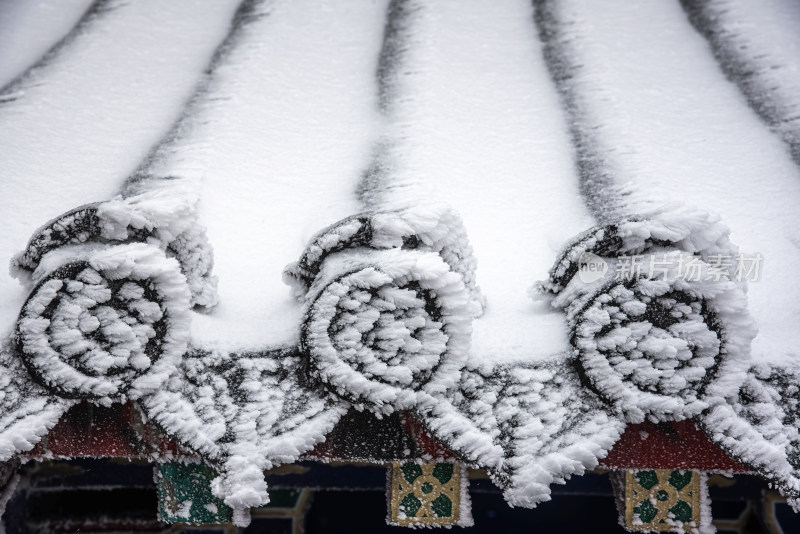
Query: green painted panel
x,y
184,494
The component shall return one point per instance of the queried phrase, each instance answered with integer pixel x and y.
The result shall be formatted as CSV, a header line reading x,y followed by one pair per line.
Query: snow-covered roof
x,y
529,225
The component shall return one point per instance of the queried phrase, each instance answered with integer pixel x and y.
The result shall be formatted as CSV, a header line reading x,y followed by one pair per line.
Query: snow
x,y
410,169
659,122
106,324
659,342
28,411
542,425
763,64
245,413
69,138
467,125
760,426
33,29
382,327
279,156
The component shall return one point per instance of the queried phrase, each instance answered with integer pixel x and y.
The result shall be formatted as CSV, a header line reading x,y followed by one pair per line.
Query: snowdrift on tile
x,y
663,333
243,413
528,425
158,216
431,227
105,324
389,298
759,426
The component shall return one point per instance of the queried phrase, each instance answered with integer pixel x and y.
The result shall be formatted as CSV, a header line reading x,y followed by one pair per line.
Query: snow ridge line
x,y
489,417
607,315
248,12
602,196
396,34
93,14
296,394
768,81
376,184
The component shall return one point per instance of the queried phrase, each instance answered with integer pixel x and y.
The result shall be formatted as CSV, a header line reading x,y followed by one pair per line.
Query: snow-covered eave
x,y
88,431
412,234
388,302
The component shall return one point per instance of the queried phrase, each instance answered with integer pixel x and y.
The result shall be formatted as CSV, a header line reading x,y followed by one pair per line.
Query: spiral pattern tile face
x,y
647,339
381,328
106,327
658,332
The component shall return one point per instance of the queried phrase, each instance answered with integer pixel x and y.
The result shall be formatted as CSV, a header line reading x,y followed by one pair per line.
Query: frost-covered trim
x,y
687,229
655,343
529,425
107,324
243,413
74,227
381,328
433,227
125,221
27,410
760,427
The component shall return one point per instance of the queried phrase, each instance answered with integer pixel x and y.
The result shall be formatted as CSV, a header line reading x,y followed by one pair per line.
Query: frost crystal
x,y
655,343
435,228
109,325
529,425
383,326
143,218
243,414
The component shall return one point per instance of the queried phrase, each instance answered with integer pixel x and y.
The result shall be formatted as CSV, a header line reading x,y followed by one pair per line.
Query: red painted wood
x,y
426,443
87,430
677,445
119,431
